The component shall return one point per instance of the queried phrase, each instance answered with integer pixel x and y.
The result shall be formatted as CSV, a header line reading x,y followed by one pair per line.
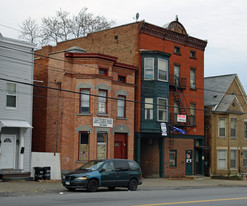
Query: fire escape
x,y
177,86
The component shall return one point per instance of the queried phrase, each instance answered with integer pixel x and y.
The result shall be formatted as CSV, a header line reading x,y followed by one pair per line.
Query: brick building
x,y
225,126
87,112
169,84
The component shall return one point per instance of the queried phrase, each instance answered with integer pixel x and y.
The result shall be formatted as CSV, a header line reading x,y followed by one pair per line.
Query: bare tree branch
x,y
62,27
30,31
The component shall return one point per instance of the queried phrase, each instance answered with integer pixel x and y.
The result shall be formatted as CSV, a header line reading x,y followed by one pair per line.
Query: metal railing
x,y
176,81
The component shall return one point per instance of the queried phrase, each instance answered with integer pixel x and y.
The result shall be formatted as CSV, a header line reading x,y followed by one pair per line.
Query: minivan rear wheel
x,y
92,186
133,185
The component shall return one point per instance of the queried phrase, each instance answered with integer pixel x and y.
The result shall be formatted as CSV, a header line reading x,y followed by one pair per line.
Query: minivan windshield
x,y
91,165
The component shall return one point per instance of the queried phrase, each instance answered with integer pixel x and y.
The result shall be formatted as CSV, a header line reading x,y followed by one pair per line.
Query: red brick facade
x,y
62,121
125,42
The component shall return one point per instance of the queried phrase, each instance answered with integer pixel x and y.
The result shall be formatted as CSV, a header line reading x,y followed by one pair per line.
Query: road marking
x,y
196,201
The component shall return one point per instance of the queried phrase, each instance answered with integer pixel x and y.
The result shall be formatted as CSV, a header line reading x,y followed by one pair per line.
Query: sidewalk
x,y
44,187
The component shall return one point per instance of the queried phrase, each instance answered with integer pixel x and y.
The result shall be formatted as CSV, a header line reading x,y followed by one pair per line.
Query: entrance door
x,y
8,148
188,161
120,146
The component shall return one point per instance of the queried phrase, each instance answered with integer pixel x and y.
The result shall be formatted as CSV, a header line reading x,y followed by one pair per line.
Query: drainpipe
x,y
58,91
21,153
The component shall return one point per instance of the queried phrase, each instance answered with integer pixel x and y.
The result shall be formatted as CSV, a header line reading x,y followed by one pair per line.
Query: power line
x,y
62,69
94,95
9,27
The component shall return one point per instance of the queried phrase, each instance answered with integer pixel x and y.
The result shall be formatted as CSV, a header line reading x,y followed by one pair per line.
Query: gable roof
x,y
215,93
215,88
226,103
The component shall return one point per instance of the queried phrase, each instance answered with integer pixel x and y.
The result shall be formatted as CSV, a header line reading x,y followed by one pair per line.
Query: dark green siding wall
x,y
153,89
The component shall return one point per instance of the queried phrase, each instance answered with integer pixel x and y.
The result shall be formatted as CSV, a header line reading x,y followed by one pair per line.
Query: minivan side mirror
x,y
102,170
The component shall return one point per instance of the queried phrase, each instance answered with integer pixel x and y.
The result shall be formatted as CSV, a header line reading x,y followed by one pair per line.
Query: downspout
x,y
58,91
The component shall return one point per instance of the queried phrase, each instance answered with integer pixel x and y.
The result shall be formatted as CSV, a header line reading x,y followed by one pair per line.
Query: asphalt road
x,y
186,196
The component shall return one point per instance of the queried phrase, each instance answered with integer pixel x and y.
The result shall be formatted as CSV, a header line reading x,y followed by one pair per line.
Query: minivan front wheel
x,y
92,186
133,185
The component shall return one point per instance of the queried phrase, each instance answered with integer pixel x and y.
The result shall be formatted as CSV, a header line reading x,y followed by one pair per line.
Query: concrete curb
x,y
13,188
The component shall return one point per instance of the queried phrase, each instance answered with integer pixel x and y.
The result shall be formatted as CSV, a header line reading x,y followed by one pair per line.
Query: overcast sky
x,y
222,23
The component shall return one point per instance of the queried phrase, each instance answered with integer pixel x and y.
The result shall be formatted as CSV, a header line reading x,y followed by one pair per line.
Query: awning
x,y
14,123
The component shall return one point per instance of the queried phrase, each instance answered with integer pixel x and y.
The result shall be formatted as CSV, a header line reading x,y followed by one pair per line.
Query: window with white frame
x,y
222,159
148,108
11,97
85,100
245,130
192,78
233,127
162,109
148,68
162,69
245,158
222,127
101,145
233,159
102,102
121,106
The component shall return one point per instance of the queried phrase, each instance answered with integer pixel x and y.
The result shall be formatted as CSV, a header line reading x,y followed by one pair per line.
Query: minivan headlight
x,y
81,178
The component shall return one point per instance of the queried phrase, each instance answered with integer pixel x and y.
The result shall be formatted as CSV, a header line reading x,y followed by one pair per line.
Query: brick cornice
x,y
165,34
126,66
90,55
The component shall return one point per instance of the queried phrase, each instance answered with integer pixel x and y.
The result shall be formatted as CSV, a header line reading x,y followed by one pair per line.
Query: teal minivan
x,y
109,173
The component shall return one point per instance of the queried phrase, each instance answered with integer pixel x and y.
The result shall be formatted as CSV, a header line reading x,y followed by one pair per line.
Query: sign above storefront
x,y
102,122
181,118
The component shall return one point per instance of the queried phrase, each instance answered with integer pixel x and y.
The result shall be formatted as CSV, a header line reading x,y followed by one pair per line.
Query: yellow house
x,y
225,126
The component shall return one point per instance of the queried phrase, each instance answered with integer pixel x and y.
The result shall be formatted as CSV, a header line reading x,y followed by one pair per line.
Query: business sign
x,y
181,118
163,129
102,122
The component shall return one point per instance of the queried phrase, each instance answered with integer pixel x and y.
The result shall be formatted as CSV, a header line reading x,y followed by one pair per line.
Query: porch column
x,y
21,145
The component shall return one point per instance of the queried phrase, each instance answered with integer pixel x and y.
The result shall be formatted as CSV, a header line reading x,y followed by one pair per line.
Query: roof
x,y
225,102
215,88
75,49
215,95
16,42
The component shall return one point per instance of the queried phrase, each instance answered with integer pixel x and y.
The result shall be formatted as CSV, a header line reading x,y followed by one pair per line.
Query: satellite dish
x,y
137,16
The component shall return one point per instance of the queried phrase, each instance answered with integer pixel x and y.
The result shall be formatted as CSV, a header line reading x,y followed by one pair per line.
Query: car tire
x,y
132,185
111,188
92,186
